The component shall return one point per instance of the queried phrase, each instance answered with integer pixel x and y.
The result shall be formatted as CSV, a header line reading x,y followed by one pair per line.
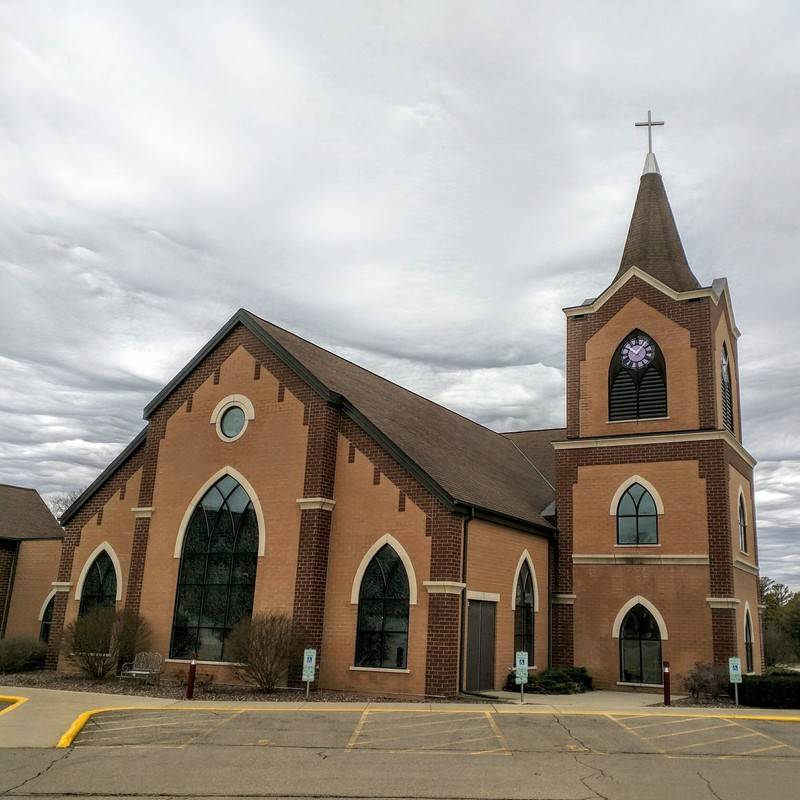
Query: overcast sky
x,y
420,187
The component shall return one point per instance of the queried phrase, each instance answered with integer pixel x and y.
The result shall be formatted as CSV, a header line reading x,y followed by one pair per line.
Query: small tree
x,y
96,642
262,648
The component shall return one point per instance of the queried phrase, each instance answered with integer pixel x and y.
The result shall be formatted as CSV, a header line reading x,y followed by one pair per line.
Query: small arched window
x,y
742,526
99,586
637,517
523,613
637,380
748,642
382,633
47,620
640,647
727,390
217,576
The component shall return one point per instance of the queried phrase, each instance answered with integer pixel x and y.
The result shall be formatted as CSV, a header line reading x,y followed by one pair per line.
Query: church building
x,y
418,550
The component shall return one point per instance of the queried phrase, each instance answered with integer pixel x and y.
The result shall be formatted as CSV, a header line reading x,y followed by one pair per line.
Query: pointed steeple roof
x,y
653,242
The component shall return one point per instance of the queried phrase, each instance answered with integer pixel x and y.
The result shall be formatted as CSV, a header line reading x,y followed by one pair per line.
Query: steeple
x,y
653,242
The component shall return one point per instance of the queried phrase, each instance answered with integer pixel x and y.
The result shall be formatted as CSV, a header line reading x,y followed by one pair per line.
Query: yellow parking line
x,y
763,749
633,731
713,741
692,732
421,724
497,732
371,738
668,722
14,702
357,730
133,727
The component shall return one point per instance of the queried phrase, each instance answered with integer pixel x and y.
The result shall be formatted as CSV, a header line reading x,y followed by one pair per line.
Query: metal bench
x,y
145,667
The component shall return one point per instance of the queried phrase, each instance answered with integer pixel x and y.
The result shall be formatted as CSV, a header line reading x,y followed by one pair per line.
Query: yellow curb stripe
x,y
15,702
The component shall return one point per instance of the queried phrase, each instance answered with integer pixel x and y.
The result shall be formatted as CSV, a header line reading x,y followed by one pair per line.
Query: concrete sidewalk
x,y
42,720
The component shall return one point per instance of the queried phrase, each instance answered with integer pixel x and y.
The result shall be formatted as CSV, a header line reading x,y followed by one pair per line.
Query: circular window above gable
x,y
231,417
232,422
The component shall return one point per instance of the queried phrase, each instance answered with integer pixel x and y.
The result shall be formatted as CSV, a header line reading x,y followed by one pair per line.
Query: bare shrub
x,y
706,682
262,648
98,641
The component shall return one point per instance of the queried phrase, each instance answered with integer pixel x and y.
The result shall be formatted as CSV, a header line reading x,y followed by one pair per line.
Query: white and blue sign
x,y
309,664
735,669
522,666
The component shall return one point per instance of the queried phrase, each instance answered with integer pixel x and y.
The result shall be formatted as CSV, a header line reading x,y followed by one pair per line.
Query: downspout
x,y
462,639
7,604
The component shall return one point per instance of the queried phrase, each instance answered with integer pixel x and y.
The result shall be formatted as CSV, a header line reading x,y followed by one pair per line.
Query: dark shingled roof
x,y
23,515
474,465
538,447
653,243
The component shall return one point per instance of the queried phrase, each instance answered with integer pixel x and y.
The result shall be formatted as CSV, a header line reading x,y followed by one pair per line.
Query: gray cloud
x,y
420,187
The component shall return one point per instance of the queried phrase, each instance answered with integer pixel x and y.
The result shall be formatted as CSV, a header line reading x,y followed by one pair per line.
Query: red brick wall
x,y
8,551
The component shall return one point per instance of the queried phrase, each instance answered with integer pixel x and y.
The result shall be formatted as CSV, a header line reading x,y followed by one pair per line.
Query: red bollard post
x,y
190,679
667,694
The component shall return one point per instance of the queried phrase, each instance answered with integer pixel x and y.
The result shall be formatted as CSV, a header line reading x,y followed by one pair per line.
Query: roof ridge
x,y
21,488
376,375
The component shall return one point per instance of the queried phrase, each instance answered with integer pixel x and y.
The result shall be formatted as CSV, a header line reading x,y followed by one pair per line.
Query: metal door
x,y
480,645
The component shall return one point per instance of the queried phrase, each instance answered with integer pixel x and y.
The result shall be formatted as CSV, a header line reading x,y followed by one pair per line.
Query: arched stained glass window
x,y
640,647
742,526
47,620
382,634
637,380
523,613
99,586
748,642
217,574
637,517
727,390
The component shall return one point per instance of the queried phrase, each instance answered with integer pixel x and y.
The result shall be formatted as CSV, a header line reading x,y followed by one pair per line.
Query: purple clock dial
x,y
637,352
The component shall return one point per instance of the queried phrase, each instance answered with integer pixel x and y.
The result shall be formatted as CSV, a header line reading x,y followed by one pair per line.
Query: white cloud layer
x,y
419,186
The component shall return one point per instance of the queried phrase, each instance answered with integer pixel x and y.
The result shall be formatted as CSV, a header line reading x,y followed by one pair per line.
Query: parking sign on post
x,y
735,675
521,670
309,667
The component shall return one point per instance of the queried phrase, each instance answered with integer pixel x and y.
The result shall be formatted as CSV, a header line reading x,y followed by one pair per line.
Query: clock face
x,y
637,352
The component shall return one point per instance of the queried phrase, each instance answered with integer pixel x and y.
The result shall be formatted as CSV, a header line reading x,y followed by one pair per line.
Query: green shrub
x,y
707,682
555,680
778,689
21,653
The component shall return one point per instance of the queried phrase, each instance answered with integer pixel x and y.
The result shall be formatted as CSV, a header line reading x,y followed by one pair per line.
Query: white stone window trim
x,y
525,557
368,556
626,484
251,493
50,596
230,401
486,597
634,601
747,615
741,502
88,563
381,669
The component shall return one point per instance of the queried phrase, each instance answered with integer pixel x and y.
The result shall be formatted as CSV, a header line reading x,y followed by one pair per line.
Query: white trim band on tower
x,y
745,566
313,503
486,597
640,558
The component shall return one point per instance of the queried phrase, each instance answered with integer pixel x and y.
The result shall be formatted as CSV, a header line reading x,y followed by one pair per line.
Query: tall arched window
x,y
637,517
748,642
382,634
640,647
99,586
637,380
727,391
217,574
742,526
47,620
523,613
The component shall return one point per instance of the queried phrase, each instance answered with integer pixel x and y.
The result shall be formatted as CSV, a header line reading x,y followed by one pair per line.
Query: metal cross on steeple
x,y
649,125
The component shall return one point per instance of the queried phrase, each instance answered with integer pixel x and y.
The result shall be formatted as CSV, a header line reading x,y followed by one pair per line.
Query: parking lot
x,y
427,753
464,732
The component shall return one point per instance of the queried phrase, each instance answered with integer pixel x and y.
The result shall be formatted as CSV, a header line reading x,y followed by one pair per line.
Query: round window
x,y
232,422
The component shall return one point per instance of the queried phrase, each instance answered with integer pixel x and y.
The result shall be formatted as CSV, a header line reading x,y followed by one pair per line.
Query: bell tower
x,y
652,478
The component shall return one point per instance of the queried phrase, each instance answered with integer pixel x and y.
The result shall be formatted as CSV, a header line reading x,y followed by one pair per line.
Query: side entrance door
x,y
480,645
